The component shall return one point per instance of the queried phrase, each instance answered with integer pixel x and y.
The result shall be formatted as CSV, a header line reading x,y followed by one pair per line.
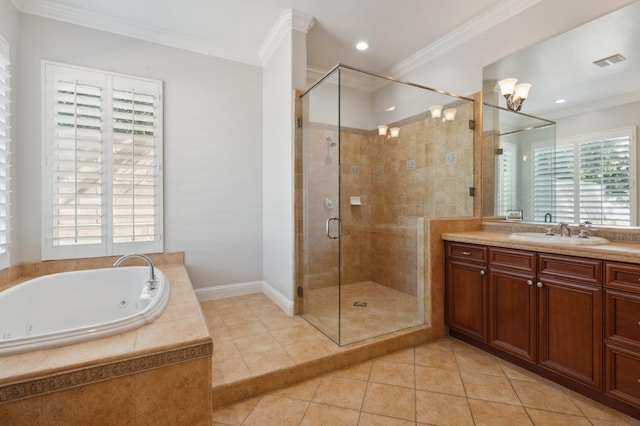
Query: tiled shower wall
x,y
425,172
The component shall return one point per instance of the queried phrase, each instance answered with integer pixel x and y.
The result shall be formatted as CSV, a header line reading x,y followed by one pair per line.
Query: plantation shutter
x,y
135,165
544,175
605,187
5,140
506,180
77,161
103,144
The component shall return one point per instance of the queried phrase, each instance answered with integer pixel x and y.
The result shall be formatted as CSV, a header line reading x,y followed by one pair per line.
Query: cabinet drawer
x,y
467,252
622,276
577,269
622,318
513,259
622,374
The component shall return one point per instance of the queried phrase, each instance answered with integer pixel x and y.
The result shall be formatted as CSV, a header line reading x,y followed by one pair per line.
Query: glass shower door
x,y
321,227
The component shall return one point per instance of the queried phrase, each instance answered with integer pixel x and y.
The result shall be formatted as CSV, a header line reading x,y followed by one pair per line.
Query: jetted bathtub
x,y
72,307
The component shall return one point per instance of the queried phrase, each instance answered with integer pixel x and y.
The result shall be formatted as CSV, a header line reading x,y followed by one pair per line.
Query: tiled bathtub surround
x,y
156,374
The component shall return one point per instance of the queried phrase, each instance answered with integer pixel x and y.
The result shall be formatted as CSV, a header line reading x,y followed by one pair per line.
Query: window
x,y
5,144
593,177
506,176
103,164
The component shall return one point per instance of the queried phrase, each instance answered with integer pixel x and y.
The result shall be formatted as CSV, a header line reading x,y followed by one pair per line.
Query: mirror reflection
x,y
570,154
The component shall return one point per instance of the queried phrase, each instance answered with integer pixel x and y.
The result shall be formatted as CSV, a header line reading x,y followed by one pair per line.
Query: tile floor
x,y
445,382
387,310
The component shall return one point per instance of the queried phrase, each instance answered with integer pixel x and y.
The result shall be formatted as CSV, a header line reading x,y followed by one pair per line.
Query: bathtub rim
x,y
82,334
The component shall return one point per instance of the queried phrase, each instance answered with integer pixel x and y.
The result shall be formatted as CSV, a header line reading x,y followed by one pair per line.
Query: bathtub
x,y
72,307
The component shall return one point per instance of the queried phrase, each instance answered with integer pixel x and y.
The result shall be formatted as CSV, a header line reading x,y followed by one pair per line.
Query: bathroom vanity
x,y
568,313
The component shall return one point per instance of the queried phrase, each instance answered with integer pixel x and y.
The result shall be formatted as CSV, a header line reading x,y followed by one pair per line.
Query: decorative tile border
x,y
99,373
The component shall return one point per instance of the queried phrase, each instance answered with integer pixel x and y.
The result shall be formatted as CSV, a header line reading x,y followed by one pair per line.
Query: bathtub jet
x,y
72,307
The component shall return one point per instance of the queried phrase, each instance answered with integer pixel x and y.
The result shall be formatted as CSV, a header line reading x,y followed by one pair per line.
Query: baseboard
x,y
228,290
278,298
243,289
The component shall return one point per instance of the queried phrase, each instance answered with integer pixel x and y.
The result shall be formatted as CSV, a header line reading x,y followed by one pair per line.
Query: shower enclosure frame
x,y
334,225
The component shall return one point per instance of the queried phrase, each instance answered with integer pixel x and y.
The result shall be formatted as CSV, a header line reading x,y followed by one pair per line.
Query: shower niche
x,y
375,158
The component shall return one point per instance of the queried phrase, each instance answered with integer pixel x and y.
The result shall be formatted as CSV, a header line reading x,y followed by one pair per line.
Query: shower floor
x,y
387,310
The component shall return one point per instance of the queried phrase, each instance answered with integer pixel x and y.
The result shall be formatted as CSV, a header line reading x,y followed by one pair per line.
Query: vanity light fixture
x,y
436,111
514,94
393,131
449,114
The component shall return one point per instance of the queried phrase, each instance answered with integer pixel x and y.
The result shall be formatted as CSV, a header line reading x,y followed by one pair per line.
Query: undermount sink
x,y
574,240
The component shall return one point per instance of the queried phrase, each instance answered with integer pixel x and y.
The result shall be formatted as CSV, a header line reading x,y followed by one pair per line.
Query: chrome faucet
x,y
564,229
153,283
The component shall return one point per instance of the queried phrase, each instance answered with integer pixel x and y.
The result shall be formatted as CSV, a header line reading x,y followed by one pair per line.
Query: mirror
x,y
594,68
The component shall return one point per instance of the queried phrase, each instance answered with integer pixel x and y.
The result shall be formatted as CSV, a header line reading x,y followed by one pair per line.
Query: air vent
x,y
613,59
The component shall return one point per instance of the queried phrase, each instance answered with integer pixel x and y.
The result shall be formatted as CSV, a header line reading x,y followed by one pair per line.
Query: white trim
x,y
228,290
243,289
289,20
278,298
470,29
125,27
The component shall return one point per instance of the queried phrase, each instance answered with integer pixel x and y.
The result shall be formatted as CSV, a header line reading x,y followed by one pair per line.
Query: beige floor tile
x,y
277,410
498,414
489,388
430,357
544,397
318,414
550,418
234,414
258,343
311,349
391,401
360,371
515,372
475,361
405,356
295,334
598,412
439,380
266,361
440,409
368,419
231,370
443,344
341,392
393,373
303,391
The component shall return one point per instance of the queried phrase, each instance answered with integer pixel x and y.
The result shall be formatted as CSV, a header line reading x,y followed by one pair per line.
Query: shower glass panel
x,y
376,162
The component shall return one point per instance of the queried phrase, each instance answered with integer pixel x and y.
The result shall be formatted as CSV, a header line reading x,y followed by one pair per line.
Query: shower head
x,y
330,142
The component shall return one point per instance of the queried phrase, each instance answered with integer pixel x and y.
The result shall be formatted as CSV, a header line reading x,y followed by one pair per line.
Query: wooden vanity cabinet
x,y
512,302
622,332
466,289
545,309
570,317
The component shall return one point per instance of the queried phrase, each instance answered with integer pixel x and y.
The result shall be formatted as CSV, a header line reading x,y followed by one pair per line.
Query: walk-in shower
x,y
376,160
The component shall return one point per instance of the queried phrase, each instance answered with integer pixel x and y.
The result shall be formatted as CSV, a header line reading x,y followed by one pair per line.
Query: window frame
x,y
107,246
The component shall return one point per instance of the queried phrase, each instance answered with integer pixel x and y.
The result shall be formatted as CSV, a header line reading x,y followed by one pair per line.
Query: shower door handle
x,y
328,228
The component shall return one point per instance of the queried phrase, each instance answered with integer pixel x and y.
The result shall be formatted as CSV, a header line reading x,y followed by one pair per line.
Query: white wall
x,y
212,145
277,163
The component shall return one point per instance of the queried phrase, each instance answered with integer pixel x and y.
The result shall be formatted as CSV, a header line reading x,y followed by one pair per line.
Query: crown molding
x,y
76,16
289,20
470,29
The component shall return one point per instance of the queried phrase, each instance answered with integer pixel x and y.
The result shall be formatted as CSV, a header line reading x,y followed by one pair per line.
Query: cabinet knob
x,y
529,282
481,272
539,284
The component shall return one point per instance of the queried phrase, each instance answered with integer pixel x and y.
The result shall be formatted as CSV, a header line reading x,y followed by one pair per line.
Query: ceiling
x,y
237,29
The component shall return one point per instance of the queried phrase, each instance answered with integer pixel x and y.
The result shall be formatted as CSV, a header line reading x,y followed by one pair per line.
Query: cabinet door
x,y
512,313
570,329
466,298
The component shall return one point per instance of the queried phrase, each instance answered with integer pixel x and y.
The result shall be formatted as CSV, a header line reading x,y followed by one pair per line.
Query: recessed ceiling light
x,y
362,45
561,101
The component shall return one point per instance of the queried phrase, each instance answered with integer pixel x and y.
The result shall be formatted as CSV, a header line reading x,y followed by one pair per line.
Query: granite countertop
x,y
617,251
